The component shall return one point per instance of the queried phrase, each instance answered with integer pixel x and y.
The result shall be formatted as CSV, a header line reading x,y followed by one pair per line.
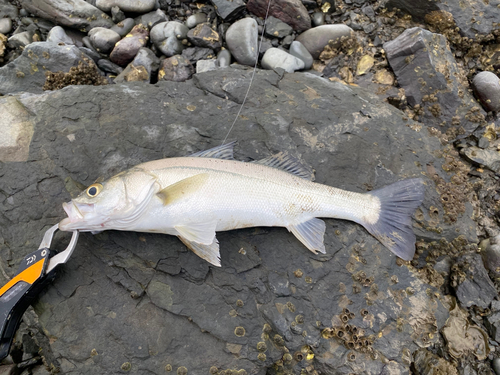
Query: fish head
x,y
113,204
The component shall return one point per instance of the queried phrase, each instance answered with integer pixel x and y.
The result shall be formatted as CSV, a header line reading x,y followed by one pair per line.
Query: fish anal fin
x,y
311,233
202,232
182,189
208,252
288,163
219,152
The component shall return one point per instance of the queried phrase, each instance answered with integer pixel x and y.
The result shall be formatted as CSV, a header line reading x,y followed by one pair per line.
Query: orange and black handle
x,y
19,293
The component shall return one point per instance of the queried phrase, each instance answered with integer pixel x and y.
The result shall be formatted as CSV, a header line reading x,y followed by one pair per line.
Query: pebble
x,y
316,39
204,36
117,15
124,27
277,58
229,10
241,39
168,36
495,364
133,6
141,68
88,44
176,68
109,67
275,28
195,54
103,39
206,65
196,19
126,49
58,35
152,19
298,50
224,58
21,39
90,53
318,18
486,86
5,25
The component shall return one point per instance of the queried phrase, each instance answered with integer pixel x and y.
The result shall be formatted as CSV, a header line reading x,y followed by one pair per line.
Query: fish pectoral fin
x,y
208,252
202,233
311,233
182,189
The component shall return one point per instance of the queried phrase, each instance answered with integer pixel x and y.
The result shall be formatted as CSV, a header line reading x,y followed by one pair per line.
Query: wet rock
x,y
77,14
241,39
124,27
298,50
292,12
463,338
471,18
83,132
196,19
152,19
276,28
176,68
427,363
486,86
90,53
141,69
275,58
229,10
132,6
109,67
27,72
168,37
5,25
471,282
21,40
103,39
204,36
58,35
424,66
318,19
317,38
8,10
195,54
224,58
206,65
126,49
489,158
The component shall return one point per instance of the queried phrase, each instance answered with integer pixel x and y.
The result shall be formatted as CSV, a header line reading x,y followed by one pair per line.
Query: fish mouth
x,y
76,216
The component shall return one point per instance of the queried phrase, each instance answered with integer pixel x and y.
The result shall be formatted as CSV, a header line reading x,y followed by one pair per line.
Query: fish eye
x,y
93,190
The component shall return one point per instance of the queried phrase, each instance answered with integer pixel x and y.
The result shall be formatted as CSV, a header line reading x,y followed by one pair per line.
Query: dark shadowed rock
x,y
229,10
204,36
426,69
77,14
144,302
292,12
126,49
152,18
141,68
27,72
276,28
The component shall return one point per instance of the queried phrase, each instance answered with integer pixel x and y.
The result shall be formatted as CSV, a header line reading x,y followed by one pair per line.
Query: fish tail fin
x,y
393,228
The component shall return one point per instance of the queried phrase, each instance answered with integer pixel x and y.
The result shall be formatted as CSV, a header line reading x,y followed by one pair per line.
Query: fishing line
x,y
253,74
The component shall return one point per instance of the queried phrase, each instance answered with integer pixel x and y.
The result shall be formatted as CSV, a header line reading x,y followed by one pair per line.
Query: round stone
x,y
241,38
316,39
224,58
133,6
298,50
318,18
124,27
5,25
168,36
276,58
58,35
486,86
103,39
196,19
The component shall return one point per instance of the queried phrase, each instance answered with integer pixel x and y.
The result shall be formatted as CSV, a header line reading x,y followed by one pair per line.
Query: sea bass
x,y
194,197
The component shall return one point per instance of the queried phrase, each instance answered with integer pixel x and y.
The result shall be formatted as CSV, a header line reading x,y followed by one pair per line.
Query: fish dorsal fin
x,y
311,233
182,189
219,152
208,252
289,163
202,232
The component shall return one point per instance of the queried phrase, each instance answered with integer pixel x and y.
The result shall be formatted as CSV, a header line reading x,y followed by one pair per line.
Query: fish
x,y
196,196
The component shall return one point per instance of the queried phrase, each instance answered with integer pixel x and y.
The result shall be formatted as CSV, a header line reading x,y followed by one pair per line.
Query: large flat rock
x,y
144,303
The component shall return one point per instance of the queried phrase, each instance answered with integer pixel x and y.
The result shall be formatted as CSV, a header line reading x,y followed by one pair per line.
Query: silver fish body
x,y
195,197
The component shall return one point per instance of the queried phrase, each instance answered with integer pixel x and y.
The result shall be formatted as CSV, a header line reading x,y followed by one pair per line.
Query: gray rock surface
x,y
317,38
58,35
5,25
276,58
204,36
21,40
241,39
224,58
318,19
168,36
8,10
486,86
472,283
176,68
298,50
77,14
27,72
271,297
103,39
144,64
276,28
124,27
152,19
489,158
133,6
229,10
126,49
196,19
426,69
206,65
292,12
